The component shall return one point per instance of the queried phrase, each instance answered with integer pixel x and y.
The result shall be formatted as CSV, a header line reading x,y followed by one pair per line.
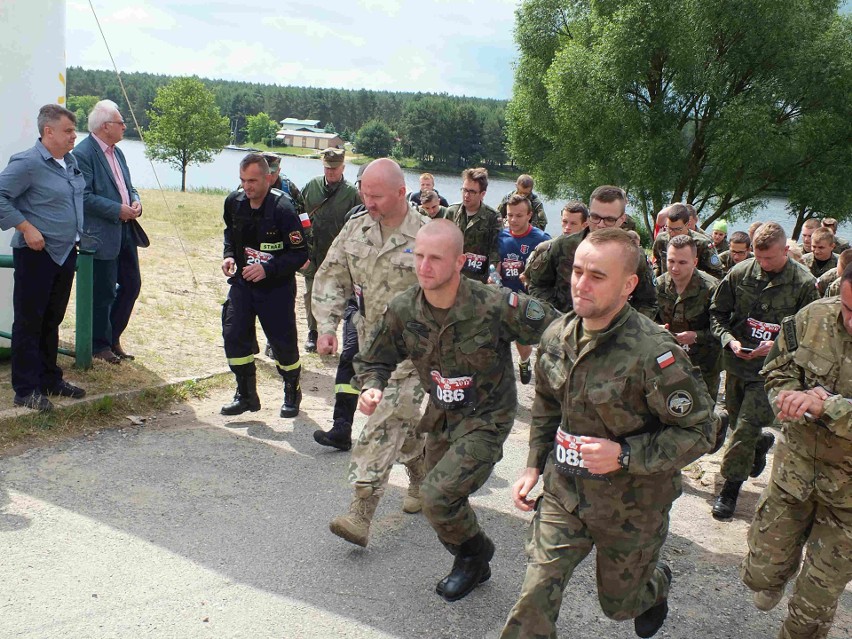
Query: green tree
x,y
705,102
81,105
186,126
374,139
260,128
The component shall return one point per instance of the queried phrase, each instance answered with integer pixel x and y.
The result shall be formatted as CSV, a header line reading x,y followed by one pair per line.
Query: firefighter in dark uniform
x,y
264,247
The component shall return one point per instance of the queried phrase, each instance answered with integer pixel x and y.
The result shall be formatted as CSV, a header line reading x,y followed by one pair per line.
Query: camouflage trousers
x,y
389,435
782,528
454,472
711,376
749,413
562,534
309,287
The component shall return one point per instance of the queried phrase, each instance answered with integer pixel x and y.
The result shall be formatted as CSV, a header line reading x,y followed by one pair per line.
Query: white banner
x,y
32,74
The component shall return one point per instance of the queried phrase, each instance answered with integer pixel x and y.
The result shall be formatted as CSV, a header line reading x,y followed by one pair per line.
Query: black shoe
x,y
470,568
726,502
763,445
339,437
311,343
292,397
64,389
107,356
649,622
245,399
525,371
723,431
121,353
34,400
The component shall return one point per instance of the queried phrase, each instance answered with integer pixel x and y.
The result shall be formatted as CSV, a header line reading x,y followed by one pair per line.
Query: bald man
x,y
373,259
457,332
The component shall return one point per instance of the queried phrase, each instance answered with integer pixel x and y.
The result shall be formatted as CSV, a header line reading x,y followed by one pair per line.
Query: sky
x,y
460,47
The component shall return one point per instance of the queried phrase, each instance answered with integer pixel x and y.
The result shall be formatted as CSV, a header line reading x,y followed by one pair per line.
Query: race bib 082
x,y
569,460
452,393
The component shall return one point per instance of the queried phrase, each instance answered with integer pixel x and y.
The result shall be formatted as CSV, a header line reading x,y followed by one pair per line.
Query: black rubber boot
x,y
470,568
763,445
245,399
292,393
649,622
726,502
311,342
339,437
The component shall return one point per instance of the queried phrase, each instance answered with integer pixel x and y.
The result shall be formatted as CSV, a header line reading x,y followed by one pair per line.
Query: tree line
x,y
439,130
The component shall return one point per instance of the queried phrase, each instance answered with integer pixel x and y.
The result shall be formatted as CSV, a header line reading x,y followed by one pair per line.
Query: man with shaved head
x,y
617,413
457,332
373,259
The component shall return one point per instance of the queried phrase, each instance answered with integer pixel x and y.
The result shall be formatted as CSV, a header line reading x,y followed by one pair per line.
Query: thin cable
x,y
150,161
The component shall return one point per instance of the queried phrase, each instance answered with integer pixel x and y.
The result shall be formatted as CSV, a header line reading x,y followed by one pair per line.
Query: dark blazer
x,y
101,199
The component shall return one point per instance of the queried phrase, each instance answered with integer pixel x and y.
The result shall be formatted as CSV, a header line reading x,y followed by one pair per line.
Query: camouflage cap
x,y
332,158
273,160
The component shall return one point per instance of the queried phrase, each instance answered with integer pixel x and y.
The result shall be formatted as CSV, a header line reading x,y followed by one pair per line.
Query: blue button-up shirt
x,y
35,188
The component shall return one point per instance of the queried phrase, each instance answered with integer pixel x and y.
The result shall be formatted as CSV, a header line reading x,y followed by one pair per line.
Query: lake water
x,y
223,172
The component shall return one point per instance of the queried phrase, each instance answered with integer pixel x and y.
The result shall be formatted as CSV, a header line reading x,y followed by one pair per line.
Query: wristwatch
x,y
624,456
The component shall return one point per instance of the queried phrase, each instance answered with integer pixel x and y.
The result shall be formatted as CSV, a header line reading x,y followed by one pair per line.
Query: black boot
x,y
470,568
339,437
245,399
649,622
763,445
726,502
311,342
292,393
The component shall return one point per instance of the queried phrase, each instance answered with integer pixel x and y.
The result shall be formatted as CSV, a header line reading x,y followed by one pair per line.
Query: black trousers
x,y
275,307
40,298
115,287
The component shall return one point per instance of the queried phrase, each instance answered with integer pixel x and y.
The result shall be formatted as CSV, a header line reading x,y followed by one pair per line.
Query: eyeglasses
x,y
607,221
470,192
121,122
733,252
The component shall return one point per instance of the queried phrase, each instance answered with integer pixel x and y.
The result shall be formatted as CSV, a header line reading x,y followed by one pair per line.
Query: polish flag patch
x,y
666,359
306,221
513,299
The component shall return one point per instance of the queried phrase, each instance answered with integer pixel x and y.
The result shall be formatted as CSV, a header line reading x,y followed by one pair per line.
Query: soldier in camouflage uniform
x,y
740,249
327,199
808,500
457,333
840,244
821,259
430,204
720,237
373,259
479,223
618,411
678,219
524,186
683,296
832,286
746,314
548,270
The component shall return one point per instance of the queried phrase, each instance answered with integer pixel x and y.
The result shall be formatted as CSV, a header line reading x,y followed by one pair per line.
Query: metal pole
x,y
83,332
6,261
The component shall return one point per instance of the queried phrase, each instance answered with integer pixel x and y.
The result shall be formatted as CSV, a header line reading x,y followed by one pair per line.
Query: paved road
x,y
194,526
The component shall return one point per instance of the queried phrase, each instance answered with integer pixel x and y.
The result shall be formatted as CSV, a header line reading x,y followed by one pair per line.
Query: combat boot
x,y
245,399
766,600
354,526
311,342
292,394
339,437
649,622
470,568
726,502
416,470
763,445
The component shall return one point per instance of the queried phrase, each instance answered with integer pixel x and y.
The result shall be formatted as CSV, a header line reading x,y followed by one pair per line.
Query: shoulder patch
x,y
788,324
296,237
512,299
665,360
679,403
714,259
535,311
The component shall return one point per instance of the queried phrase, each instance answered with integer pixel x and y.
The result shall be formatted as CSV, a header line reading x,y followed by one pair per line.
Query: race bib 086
x,y
452,393
569,460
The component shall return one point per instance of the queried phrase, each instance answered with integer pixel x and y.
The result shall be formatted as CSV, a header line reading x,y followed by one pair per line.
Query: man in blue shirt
x,y
41,196
515,244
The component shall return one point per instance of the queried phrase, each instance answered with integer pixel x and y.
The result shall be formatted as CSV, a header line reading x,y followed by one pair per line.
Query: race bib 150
x,y
762,331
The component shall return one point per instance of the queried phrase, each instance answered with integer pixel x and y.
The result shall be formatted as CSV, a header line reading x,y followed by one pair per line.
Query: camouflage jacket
x,y
359,264
748,307
708,259
632,384
538,219
825,280
440,215
326,207
818,270
689,312
727,259
466,363
833,288
480,238
722,247
840,245
814,349
548,275
283,183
